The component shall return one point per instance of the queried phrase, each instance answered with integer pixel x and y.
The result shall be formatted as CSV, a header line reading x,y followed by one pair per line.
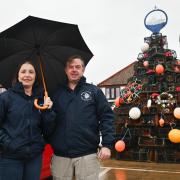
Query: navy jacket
x,y
82,114
22,125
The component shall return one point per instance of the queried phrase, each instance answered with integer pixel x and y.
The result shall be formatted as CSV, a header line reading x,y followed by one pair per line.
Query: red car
x,y
47,154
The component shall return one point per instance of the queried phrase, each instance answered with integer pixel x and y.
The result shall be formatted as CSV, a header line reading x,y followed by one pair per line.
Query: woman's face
x,y
27,75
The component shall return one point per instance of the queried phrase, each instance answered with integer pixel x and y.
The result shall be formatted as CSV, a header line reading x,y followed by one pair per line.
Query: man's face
x,y
74,70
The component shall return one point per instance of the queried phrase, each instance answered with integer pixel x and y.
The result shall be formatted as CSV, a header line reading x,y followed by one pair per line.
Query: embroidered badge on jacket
x,y
86,96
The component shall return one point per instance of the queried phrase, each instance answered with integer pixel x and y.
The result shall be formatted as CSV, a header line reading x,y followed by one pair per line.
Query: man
x,y
82,114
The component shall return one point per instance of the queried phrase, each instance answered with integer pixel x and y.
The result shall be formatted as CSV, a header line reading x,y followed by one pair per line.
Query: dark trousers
x,y
11,169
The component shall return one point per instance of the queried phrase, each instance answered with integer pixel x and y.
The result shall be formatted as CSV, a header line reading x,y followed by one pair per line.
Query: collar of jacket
x,y
80,83
18,88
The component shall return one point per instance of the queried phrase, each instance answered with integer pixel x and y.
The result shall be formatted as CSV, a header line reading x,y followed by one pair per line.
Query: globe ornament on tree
x,y
155,20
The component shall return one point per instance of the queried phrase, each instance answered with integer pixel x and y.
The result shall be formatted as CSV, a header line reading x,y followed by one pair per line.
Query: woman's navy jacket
x,y
22,125
82,114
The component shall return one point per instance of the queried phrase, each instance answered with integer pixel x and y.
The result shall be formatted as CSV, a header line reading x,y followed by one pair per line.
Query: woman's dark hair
x,y
38,80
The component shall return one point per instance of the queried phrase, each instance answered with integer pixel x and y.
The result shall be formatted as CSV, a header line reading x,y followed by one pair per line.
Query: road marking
x,y
145,170
104,171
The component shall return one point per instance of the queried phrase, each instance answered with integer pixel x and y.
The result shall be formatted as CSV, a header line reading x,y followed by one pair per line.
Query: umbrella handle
x,y
38,106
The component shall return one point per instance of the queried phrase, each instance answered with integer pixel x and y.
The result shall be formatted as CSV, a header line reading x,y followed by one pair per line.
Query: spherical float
x,y
159,69
146,63
161,122
174,135
134,113
145,47
177,112
118,101
120,146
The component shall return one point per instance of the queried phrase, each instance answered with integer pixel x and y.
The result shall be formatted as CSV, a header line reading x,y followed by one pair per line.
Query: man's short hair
x,y
71,58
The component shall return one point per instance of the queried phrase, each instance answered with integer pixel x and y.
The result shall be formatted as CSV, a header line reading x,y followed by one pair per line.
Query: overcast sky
x,y
113,29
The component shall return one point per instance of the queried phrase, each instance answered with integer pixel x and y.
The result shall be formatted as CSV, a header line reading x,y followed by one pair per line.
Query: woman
x,y
22,127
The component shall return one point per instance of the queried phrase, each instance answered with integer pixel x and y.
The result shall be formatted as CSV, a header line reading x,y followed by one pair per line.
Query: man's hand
x,y
104,153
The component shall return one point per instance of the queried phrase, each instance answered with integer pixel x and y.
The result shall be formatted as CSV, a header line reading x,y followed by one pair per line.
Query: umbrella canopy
x,y
37,39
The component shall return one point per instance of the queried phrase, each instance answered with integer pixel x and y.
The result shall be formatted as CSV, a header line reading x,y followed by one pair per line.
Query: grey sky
x,y
113,29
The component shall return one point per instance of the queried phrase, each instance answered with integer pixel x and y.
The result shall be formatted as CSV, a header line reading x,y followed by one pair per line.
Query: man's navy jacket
x,y
82,114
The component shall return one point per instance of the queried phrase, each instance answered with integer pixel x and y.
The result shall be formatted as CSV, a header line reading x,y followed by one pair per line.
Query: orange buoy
x,y
146,63
159,69
161,122
120,146
118,101
174,135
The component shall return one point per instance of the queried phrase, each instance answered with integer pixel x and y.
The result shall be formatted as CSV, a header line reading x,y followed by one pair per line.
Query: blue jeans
x,y
12,169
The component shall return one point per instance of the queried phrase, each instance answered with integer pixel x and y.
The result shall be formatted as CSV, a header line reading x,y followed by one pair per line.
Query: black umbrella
x,y
45,42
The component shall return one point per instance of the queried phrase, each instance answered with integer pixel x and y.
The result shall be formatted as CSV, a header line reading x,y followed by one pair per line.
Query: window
x,y
112,93
107,93
117,92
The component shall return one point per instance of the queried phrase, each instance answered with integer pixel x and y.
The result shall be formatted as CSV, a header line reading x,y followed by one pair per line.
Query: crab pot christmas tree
x,y
148,109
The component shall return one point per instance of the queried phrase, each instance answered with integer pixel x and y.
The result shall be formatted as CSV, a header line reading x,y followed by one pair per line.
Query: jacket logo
x,y
86,96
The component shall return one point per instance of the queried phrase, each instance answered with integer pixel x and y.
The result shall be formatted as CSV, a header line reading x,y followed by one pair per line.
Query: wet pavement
x,y
128,170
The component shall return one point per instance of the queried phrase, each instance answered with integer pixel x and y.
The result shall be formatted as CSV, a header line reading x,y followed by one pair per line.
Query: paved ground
x,y
127,170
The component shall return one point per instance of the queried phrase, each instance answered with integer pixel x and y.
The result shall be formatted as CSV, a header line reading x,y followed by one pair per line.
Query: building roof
x,y
119,78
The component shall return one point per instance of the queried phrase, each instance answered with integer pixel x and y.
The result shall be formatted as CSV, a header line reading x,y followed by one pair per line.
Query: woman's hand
x,y
48,102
